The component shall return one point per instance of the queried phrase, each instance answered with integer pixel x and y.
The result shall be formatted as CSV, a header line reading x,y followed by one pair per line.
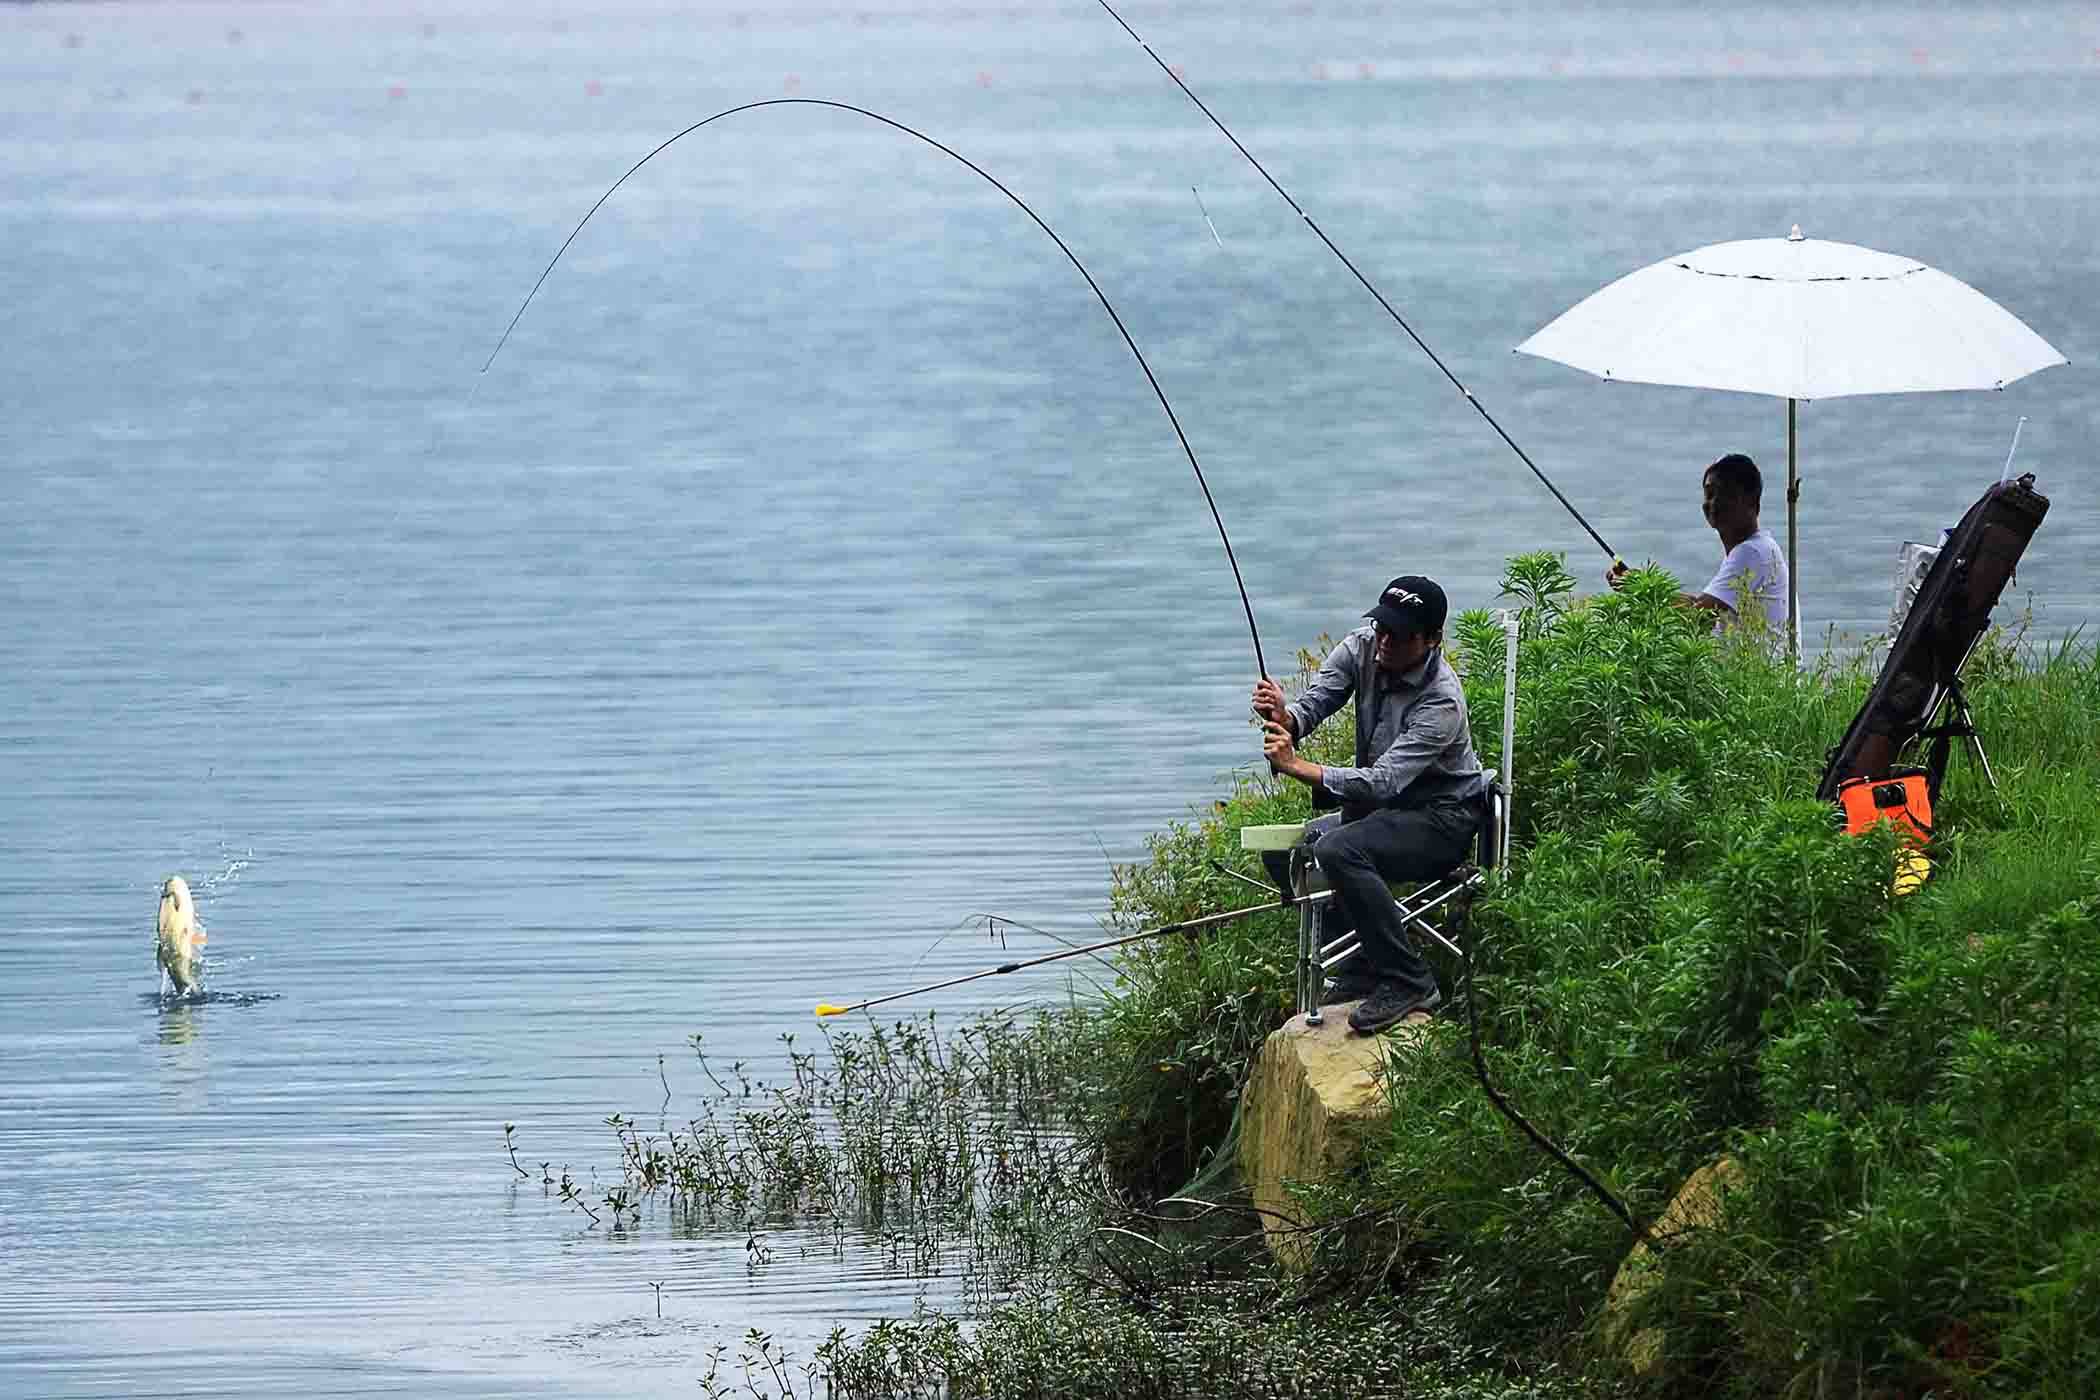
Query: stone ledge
x,y
1700,1204
1313,1096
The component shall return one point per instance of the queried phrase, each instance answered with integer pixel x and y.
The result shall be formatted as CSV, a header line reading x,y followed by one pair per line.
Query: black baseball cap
x,y
1410,604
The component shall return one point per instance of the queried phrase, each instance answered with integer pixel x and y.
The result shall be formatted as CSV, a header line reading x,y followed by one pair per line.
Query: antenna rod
x,y
825,1008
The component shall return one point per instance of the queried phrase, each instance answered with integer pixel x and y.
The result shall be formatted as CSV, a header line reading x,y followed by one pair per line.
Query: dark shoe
x,y
1391,1003
1353,985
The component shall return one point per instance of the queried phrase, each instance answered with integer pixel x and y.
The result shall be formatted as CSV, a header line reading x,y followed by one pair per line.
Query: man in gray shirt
x,y
1410,807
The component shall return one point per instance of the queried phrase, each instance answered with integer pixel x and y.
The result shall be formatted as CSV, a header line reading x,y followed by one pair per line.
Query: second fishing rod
x,y
1501,1102
1368,286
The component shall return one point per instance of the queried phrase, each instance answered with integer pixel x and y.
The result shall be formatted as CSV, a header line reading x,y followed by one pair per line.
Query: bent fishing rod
x,y
1398,319
1261,665
1197,925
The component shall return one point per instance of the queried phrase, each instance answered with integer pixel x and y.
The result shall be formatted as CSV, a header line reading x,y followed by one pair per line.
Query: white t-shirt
x,y
1752,580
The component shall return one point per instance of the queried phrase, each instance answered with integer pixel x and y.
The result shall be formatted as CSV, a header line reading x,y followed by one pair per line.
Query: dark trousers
x,y
1362,858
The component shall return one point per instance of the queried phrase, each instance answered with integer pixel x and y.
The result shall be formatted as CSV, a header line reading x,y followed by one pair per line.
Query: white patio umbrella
x,y
1797,318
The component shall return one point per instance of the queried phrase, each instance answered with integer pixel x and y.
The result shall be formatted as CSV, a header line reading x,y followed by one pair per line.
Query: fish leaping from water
x,y
178,943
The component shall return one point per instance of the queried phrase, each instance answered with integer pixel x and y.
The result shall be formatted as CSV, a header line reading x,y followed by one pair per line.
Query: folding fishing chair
x,y
1450,895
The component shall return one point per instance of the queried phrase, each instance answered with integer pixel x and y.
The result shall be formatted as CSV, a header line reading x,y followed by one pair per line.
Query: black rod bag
x,y
1952,609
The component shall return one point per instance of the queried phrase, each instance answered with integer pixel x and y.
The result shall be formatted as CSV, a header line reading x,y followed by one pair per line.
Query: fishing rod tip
x,y
825,1008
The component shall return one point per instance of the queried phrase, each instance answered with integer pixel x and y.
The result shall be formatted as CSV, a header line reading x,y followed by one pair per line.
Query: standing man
x,y
1750,587
1410,807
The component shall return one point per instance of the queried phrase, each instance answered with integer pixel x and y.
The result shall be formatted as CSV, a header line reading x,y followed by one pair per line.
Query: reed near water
x,y
1685,960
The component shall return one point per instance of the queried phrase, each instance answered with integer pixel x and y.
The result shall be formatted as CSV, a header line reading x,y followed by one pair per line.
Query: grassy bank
x,y
1686,961
1683,961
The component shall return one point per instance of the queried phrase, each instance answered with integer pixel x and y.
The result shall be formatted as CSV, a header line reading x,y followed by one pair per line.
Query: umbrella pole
x,y
1793,541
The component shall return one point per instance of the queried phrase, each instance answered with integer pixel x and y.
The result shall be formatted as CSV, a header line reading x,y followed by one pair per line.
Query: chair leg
x,y
1309,985
1317,955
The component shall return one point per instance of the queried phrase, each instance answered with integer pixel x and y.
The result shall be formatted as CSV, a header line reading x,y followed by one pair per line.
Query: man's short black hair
x,y
1740,474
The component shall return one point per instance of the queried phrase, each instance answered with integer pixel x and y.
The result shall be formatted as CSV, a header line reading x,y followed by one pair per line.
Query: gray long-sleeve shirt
x,y
1419,744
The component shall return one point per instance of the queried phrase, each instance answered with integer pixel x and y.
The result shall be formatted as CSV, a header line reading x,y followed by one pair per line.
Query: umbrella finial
x,y
1794,234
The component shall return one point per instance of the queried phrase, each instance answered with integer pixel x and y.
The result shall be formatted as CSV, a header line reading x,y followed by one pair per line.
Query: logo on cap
x,y
1400,595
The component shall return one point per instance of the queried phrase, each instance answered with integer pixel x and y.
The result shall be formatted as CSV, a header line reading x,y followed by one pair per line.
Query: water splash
x,y
229,872
166,999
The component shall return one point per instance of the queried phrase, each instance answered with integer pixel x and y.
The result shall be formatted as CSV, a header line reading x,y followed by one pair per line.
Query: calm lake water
x,y
814,569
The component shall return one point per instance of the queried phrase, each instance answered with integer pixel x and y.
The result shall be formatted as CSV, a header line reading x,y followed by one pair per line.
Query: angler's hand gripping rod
x,y
1398,319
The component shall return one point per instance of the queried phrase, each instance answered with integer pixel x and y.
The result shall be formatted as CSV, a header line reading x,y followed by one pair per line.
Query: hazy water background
x,y
813,570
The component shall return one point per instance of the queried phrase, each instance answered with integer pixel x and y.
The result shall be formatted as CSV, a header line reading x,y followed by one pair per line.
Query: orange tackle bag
x,y
1903,797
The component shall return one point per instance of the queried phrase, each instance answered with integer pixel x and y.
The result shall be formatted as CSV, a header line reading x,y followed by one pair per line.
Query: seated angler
x,y
1410,807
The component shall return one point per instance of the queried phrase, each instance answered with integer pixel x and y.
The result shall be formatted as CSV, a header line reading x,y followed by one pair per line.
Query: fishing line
x,y
1398,319
1260,665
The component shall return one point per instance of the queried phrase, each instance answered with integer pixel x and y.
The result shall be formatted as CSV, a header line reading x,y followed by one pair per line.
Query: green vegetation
x,y
1685,960
942,1152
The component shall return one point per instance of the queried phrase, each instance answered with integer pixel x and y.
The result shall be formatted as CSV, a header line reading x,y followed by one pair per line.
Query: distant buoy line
x,y
1190,452
1398,319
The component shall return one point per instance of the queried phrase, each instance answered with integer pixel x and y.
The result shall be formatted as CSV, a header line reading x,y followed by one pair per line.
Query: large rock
x,y
1314,1094
1698,1205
